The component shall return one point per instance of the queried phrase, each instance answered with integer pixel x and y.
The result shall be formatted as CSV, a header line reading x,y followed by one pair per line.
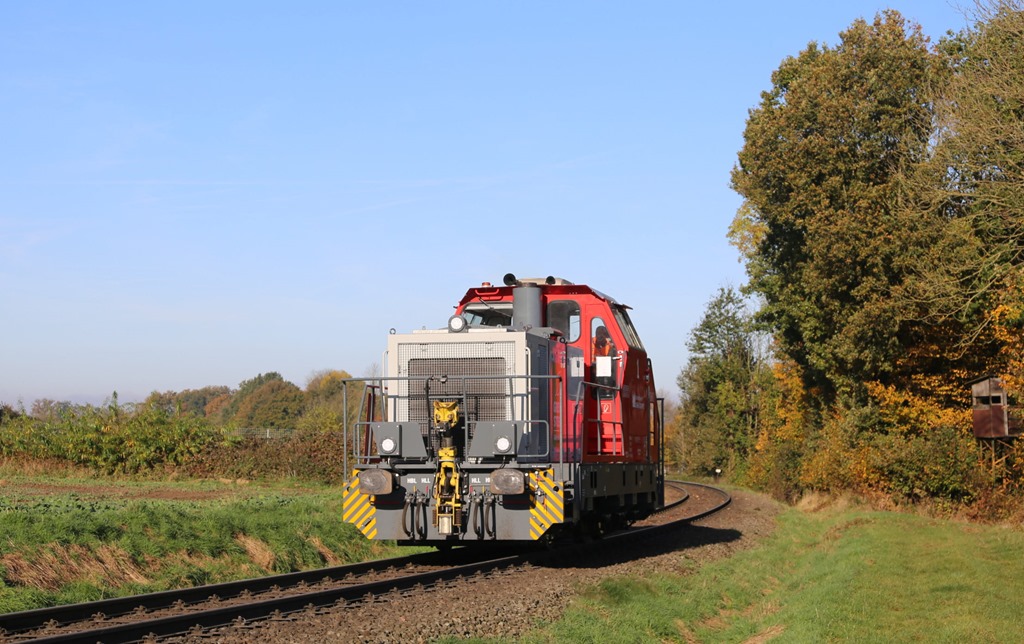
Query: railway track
x,y
190,611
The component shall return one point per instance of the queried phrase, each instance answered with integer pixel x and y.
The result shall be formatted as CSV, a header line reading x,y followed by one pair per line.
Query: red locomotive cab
x,y
606,405
618,423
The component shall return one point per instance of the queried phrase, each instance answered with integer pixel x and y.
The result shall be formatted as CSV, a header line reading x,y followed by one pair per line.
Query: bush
x,y
775,467
305,454
112,440
943,463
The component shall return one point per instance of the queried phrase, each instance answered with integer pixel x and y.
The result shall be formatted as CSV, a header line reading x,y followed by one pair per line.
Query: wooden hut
x,y
994,415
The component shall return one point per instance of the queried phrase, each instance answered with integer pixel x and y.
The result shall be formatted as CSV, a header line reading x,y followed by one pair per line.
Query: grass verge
x,y
87,540
835,575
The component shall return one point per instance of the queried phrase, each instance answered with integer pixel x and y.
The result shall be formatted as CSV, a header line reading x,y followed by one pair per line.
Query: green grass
x,y
837,575
850,576
109,539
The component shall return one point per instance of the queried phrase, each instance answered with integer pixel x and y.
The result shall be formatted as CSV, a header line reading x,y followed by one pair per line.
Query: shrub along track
x,y
400,586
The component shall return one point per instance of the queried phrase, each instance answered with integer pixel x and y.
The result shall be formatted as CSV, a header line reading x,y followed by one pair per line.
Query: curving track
x,y
190,610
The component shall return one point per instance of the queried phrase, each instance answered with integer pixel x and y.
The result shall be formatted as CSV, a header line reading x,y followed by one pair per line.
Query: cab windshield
x,y
496,314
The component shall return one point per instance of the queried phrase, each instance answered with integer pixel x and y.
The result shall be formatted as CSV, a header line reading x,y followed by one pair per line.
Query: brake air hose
x,y
489,516
416,516
422,529
405,517
474,516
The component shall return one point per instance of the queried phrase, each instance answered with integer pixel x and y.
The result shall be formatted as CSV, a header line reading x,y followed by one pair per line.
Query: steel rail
x,y
13,623
24,622
684,499
726,500
183,623
657,530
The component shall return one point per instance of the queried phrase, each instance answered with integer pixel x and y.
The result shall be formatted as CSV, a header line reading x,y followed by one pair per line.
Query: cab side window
x,y
564,315
603,354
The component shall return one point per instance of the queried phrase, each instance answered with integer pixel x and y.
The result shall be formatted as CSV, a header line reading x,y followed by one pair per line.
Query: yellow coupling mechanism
x,y
447,483
446,413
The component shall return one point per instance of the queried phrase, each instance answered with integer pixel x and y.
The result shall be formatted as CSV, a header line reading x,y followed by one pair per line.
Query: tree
x,y
973,185
189,401
8,413
722,387
194,401
825,244
275,404
229,410
47,409
883,224
326,386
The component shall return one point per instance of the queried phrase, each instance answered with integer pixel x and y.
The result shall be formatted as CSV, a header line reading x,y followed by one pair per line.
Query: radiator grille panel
x,y
486,399
477,370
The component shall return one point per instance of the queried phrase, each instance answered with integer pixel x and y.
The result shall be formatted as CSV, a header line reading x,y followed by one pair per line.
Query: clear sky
x,y
192,193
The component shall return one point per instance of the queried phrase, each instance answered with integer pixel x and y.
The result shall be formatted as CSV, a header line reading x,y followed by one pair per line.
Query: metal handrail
x,y
387,404
581,397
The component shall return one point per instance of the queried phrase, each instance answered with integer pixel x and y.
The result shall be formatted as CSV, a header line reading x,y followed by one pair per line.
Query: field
x,y
73,540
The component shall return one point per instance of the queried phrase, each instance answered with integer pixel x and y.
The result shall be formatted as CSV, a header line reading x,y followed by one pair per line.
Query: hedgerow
x,y
114,439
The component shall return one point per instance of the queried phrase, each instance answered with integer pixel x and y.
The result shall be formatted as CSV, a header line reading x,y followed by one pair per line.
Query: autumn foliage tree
x,y
236,408
331,397
274,404
883,228
188,401
973,183
819,172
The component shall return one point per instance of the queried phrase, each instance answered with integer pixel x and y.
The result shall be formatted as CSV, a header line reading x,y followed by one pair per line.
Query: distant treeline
x,y
264,401
194,430
882,230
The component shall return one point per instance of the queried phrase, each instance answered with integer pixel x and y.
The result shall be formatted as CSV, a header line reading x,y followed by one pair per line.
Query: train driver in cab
x,y
603,355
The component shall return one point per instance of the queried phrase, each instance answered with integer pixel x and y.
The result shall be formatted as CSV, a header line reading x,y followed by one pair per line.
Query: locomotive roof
x,y
560,287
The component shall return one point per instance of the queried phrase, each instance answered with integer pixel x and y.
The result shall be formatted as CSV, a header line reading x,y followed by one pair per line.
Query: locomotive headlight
x,y
457,324
388,446
502,445
375,482
507,482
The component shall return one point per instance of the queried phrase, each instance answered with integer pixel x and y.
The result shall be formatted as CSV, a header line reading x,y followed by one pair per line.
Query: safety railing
x,y
518,398
591,427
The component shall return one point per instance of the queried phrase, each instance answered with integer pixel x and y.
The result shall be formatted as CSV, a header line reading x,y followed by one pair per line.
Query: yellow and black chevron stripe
x,y
357,509
548,504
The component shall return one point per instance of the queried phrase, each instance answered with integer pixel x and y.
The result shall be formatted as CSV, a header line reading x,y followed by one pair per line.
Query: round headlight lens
x,y
457,323
375,482
503,444
388,445
507,482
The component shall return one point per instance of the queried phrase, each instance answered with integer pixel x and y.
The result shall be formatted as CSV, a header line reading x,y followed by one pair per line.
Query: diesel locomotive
x,y
533,413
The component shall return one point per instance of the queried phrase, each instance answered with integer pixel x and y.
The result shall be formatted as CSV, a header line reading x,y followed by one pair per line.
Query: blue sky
x,y
192,193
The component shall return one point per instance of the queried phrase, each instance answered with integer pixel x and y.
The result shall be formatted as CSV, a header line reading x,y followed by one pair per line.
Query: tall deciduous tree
x,y
229,410
825,242
331,397
722,386
974,184
189,401
277,403
47,409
